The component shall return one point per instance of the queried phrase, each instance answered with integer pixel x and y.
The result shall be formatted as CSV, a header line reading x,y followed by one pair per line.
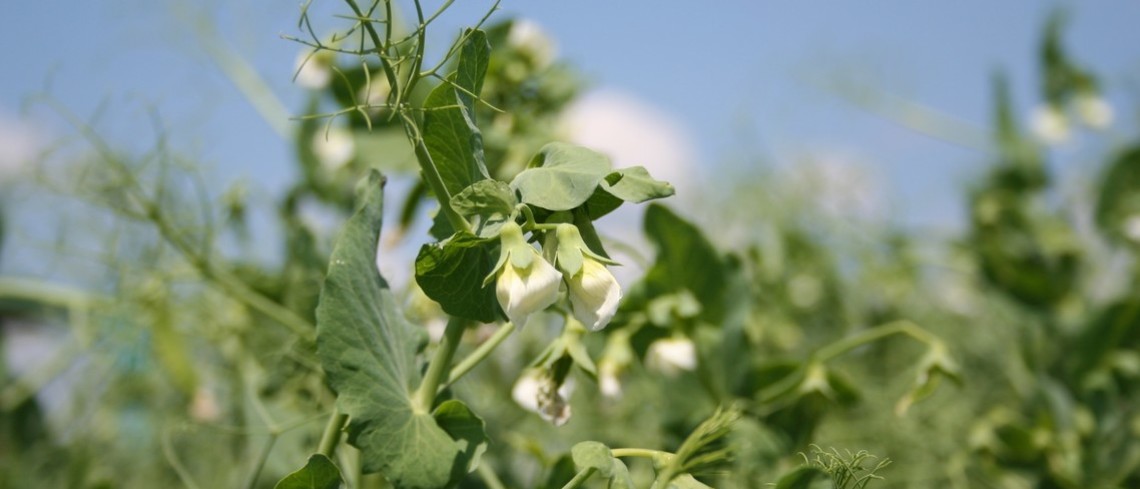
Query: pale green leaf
x,y
591,454
562,176
486,204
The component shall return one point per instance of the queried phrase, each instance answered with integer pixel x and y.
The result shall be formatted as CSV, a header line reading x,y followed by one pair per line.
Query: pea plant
x,y
397,410
787,356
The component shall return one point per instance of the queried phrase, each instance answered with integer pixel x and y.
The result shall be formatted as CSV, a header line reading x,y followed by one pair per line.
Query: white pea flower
x,y
530,38
670,356
608,380
1131,228
537,392
335,147
526,283
594,292
1050,124
1093,110
313,71
204,406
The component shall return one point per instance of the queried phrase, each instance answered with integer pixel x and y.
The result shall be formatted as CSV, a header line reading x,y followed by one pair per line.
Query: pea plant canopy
x,y
516,359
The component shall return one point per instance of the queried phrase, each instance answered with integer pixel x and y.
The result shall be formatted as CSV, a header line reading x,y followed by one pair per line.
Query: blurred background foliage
x,y
170,355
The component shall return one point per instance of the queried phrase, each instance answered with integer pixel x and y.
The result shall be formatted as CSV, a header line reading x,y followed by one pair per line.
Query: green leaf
x,y
450,134
318,473
1119,201
589,454
620,478
686,260
686,481
367,349
468,429
806,478
486,204
562,176
633,185
452,272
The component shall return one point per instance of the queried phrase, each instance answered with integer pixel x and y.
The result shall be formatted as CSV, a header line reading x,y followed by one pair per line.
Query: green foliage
x,y
756,332
318,473
561,177
368,349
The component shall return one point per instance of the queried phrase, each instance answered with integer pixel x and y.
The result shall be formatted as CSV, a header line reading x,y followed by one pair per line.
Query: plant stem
x,y
425,394
331,437
489,477
640,452
871,335
579,478
479,354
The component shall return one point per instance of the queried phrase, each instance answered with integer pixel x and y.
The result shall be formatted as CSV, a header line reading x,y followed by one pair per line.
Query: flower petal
x,y
594,295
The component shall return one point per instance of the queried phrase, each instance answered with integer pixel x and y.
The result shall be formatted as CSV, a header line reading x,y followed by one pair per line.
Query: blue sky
x,y
746,79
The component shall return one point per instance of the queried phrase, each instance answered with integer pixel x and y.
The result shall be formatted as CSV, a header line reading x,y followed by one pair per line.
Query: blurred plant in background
x,y
752,339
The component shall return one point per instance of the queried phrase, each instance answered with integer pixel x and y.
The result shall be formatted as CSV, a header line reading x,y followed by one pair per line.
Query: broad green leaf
x,y
367,349
633,185
318,473
562,176
806,478
589,454
686,260
450,134
466,428
452,272
486,204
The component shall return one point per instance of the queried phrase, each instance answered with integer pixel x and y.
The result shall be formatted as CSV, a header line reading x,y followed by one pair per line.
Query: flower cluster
x,y
527,282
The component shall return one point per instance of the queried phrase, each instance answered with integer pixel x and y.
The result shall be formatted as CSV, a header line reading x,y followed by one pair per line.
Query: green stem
x,y
262,457
489,477
331,437
479,354
871,335
640,452
579,478
425,394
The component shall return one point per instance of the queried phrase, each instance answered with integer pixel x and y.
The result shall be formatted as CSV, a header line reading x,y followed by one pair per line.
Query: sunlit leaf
x,y
318,473
368,350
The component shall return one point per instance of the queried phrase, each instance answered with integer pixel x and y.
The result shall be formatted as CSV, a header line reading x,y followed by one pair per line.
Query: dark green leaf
x,y
1119,201
562,176
367,349
451,273
450,134
318,473
686,260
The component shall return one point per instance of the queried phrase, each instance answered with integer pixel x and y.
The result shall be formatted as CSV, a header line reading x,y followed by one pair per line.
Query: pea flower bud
x,y
594,292
672,355
1050,124
1093,110
526,282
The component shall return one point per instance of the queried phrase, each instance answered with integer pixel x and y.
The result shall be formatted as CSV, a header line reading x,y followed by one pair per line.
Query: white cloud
x,y
633,132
